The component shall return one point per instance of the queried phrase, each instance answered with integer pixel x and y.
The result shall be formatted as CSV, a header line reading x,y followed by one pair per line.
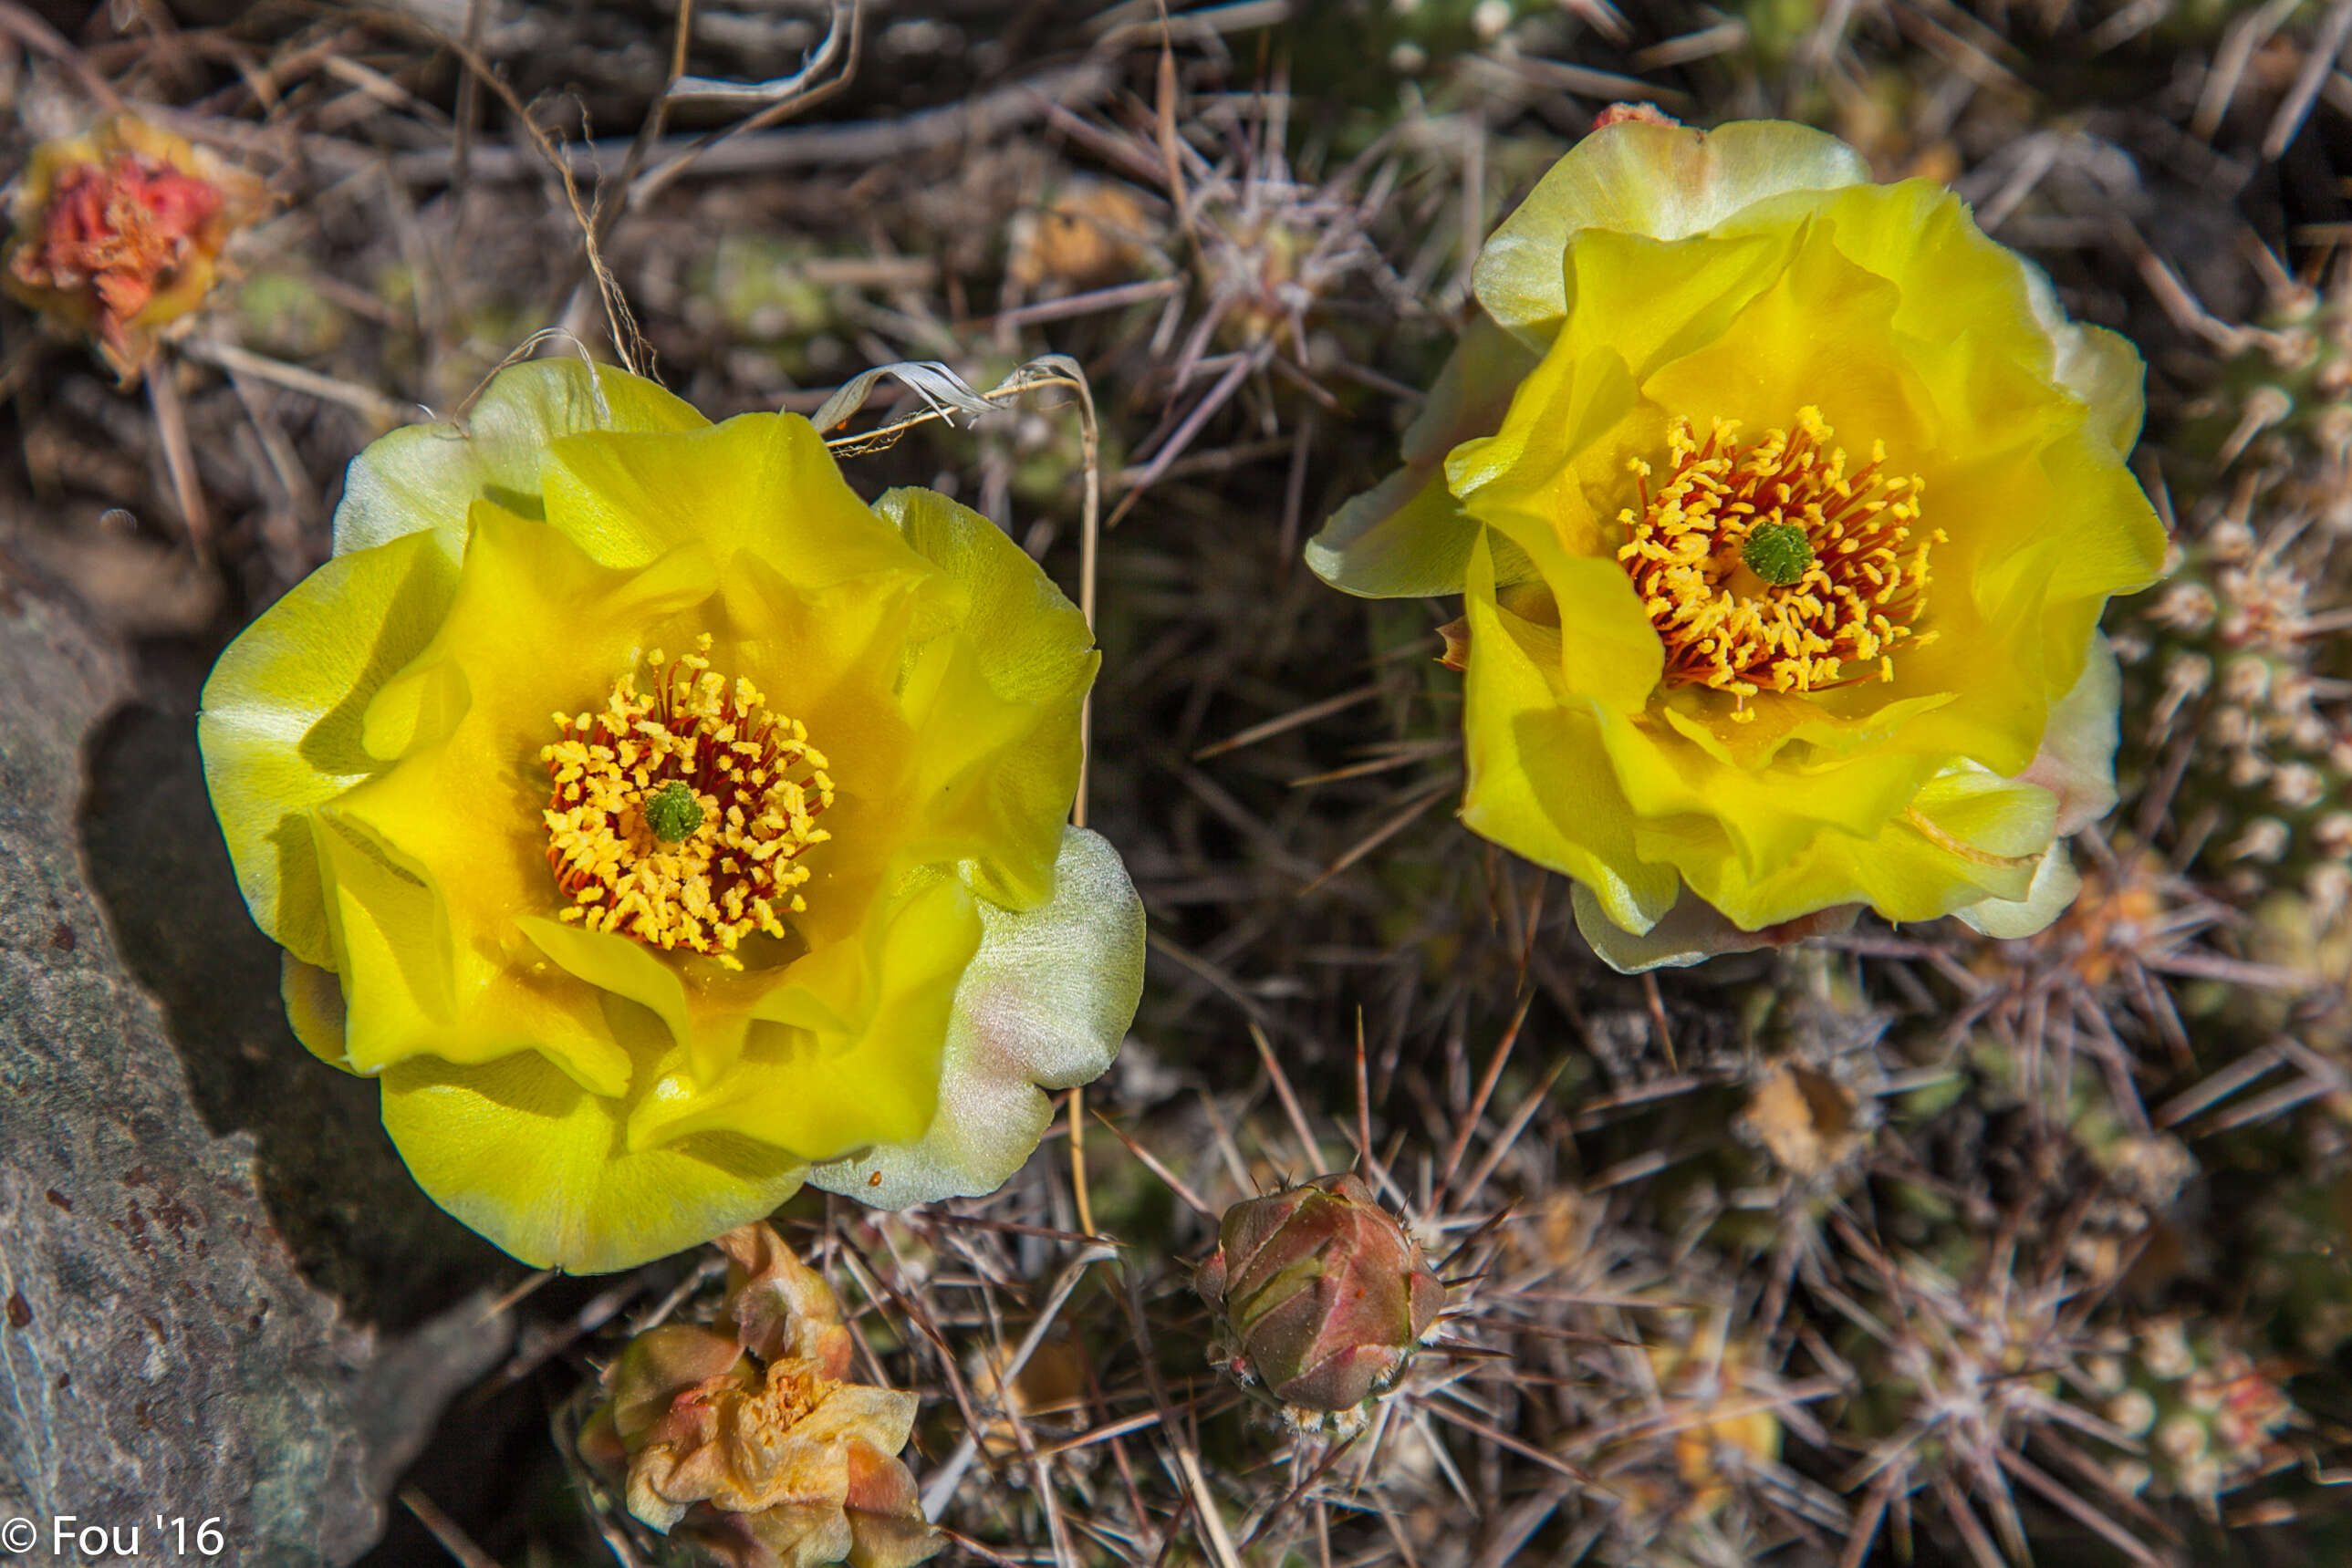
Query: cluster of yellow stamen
x,y
1767,567
636,857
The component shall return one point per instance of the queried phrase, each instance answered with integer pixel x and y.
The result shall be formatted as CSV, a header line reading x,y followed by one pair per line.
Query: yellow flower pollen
x,y
733,874
1726,628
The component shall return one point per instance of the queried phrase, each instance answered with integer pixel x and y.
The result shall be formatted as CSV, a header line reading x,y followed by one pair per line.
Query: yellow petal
x,y
314,1008
1539,780
626,497
822,1092
541,1167
282,714
1018,674
426,477
1662,182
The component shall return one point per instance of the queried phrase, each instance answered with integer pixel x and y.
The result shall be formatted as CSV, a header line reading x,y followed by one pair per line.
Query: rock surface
x,y
166,1349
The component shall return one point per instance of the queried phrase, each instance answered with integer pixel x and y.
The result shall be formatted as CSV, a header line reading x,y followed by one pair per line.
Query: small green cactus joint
x,y
1779,553
674,814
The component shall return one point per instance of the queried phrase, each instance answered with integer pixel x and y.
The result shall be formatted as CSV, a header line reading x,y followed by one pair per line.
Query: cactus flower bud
x,y
1321,1296
743,1439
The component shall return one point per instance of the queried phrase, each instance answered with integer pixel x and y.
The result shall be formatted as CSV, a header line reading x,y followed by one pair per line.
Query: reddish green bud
x,y
1322,1296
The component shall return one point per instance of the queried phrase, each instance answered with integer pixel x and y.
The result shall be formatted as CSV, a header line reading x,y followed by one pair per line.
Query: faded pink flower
x,y
745,1437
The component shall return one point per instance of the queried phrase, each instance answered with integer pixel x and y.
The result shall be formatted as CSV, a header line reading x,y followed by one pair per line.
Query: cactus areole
x,y
1321,1296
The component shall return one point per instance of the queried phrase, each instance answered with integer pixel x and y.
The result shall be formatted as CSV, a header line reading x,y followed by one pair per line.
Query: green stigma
x,y
1779,553
674,814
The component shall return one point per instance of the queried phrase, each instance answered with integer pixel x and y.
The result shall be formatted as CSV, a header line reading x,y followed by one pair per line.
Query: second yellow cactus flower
x,y
663,826
1785,506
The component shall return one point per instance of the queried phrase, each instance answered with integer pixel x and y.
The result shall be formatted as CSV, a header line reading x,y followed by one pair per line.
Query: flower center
x,y
677,817
674,813
1767,567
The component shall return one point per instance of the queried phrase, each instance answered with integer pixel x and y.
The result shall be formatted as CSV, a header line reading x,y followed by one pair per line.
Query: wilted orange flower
x,y
119,232
745,1437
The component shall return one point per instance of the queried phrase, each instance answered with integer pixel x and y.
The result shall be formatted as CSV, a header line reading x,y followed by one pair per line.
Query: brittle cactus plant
x,y
2286,382
2302,1276
2205,1415
1701,1426
2231,663
2230,671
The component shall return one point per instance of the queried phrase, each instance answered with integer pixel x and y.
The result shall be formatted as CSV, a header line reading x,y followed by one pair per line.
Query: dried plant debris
x,y
743,1440
1910,1245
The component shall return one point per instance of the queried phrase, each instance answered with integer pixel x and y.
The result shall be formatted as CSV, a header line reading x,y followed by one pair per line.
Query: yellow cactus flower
x,y
663,826
119,233
1785,506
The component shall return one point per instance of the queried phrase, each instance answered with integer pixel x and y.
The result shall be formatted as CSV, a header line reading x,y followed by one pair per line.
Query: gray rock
x,y
167,1348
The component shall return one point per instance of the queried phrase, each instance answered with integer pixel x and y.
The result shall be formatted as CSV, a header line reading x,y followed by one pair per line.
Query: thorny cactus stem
x,y
2206,1416
1321,1297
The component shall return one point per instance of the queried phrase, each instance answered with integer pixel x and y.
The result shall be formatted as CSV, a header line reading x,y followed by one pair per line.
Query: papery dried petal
x,y
781,1307
661,1364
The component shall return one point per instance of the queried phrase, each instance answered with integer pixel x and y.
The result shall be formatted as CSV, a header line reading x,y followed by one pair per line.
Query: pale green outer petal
x,y
1407,537
2104,370
2055,884
2100,367
1691,933
2077,760
426,476
2077,765
1043,1005
283,713
1665,182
